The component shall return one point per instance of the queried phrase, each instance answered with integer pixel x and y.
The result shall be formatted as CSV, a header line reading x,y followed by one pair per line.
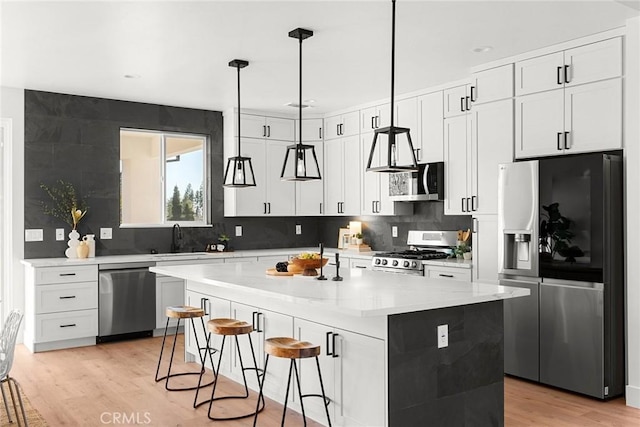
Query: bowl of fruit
x,y
309,261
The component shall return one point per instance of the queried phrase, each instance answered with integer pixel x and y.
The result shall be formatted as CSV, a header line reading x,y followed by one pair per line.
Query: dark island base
x,y
460,385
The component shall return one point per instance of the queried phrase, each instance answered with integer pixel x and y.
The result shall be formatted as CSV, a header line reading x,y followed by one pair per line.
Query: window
x,y
163,178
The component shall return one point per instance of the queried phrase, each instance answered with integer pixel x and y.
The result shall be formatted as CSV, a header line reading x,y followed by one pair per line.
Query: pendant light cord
x,y
300,100
393,56
239,112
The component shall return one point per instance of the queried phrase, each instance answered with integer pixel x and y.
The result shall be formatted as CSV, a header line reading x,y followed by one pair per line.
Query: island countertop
x,y
362,293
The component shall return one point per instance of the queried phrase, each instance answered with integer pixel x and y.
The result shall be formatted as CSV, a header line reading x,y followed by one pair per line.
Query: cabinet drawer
x,y
451,273
360,263
66,326
67,274
66,297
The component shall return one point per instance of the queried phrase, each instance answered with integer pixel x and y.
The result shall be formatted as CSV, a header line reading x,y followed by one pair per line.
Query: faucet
x,y
176,238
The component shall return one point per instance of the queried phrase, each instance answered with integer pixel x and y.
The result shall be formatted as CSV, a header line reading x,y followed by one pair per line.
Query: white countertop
x,y
362,293
450,262
112,259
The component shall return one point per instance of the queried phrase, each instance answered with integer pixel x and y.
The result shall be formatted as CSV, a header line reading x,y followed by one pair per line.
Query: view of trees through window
x,y
186,207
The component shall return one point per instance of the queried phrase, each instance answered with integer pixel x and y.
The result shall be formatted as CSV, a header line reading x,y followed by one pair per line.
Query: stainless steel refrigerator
x,y
560,224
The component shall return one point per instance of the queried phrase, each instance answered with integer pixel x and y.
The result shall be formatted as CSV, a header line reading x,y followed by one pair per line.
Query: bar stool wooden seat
x,y
290,348
187,313
232,328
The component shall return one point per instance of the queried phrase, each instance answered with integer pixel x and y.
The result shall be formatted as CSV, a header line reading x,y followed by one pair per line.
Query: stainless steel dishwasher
x,y
126,301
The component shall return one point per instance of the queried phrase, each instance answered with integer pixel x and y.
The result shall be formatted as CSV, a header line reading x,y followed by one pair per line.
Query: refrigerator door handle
x,y
573,284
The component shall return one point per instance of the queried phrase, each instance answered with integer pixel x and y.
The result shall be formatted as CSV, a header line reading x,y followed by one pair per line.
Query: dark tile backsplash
x,y
77,139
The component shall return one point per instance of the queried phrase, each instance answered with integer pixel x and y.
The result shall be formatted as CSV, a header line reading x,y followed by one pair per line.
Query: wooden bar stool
x,y
232,327
190,313
293,349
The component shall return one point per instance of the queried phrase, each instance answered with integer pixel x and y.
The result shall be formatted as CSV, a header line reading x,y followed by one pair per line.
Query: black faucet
x,y
176,238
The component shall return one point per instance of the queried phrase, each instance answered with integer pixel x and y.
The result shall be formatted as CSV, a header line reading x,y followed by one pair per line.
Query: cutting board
x,y
273,272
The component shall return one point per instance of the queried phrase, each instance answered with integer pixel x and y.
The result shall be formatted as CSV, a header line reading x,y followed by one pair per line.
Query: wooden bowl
x,y
309,265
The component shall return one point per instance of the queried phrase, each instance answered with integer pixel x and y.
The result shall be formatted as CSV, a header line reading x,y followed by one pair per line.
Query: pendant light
x,y
300,161
239,171
392,131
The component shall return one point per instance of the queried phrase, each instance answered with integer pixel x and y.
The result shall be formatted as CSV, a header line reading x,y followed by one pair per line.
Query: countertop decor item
x,y
309,265
303,165
389,162
239,171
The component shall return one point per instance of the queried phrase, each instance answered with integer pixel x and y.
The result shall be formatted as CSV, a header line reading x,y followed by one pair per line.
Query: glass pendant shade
x,y
389,161
239,171
300,161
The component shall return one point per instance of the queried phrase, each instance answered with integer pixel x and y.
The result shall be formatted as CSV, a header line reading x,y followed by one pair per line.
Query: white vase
x,y
73,242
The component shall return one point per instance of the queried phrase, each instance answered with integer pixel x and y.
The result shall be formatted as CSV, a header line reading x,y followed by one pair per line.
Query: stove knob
x,y
395,262
384,262
405,264
414,264
378,261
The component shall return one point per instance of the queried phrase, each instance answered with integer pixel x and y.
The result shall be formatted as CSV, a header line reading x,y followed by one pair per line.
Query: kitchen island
x,y
379,335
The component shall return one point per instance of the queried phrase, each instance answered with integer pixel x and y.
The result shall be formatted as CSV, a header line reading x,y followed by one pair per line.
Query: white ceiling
x,y
181,49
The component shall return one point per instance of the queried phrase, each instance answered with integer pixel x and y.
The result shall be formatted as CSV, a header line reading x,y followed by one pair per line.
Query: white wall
x,y
12,107
632,162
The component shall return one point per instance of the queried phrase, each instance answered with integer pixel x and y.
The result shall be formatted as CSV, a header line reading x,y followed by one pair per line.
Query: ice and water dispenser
x,y
518,250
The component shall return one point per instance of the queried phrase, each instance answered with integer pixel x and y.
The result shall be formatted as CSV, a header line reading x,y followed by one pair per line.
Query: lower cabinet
x,y
169,292
352,368
447,273
485,248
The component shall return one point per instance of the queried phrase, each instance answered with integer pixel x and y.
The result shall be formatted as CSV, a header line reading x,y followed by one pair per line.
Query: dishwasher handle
x,y
126,266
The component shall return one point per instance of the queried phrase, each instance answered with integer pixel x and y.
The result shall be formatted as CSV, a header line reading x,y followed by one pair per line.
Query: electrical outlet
x,y
443,336
238,230
34,235
394,231
298,229
59,234
106,233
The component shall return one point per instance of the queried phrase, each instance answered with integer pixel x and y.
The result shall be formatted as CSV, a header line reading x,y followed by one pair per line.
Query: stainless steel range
x,y
423,245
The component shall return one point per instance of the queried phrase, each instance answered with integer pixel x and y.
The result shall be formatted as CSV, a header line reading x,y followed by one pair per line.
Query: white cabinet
x,y
61,307
271,196
474,146
213,308
310,194
486,86
169,292
266,324
363,264
311,130
584,64
375,117
340,125
257,126
447,273
352,368
485,248
429,144
573,120
342,176
456,101
406,116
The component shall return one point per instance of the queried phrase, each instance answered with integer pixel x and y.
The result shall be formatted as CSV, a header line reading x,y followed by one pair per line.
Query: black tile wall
x,y
76,139
460,385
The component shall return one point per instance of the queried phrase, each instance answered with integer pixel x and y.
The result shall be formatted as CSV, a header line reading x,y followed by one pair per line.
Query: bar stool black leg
x,y
295,371
324,396
260,395
166,327
173,350
244,377
286,396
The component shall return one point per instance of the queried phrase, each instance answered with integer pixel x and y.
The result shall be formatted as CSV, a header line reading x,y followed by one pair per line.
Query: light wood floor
x,y
78,387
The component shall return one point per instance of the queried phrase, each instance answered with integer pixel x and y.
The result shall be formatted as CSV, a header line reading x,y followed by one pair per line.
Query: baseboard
x,y
632,396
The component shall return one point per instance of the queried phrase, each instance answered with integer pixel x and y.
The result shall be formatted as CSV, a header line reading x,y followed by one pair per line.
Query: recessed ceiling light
x,y
296,105
482,49
132,76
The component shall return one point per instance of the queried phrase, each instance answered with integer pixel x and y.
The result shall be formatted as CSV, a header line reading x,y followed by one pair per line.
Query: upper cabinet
x,y
342,176
254,126
430,142
341,125
310,194
311,130
375,117
583,110
583,64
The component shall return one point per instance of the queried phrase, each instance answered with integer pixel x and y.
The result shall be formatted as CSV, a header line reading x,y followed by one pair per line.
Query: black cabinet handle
x,y
466,103
68,326
268,131
68,297
462,200
333,345
473,203
462,104
360,266
566,74
378,206
264,131
373,122
320,207
258,322
558,75
566,141
377,122
264,208
203,305
473,94
269,206
468,199
253,320
319,133
326,342
373,206
445,275
559,142
338,129
67,274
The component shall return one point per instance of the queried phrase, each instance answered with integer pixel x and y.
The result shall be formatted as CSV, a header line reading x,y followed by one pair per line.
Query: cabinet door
x,y
352,176
360,380
430,141
351,123
332,127
596,61
214,308
272,324
384,116
406,116
455,158
492,85
310,194
247,314
280,129
539,124
593,116
540,73
370,180
251,201
369,119
455,101
252,126
169,292
311,130
485,248
333,176
280,195
492,144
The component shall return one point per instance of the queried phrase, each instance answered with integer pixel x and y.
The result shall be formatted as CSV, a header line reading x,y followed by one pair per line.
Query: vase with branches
x,y
65,204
